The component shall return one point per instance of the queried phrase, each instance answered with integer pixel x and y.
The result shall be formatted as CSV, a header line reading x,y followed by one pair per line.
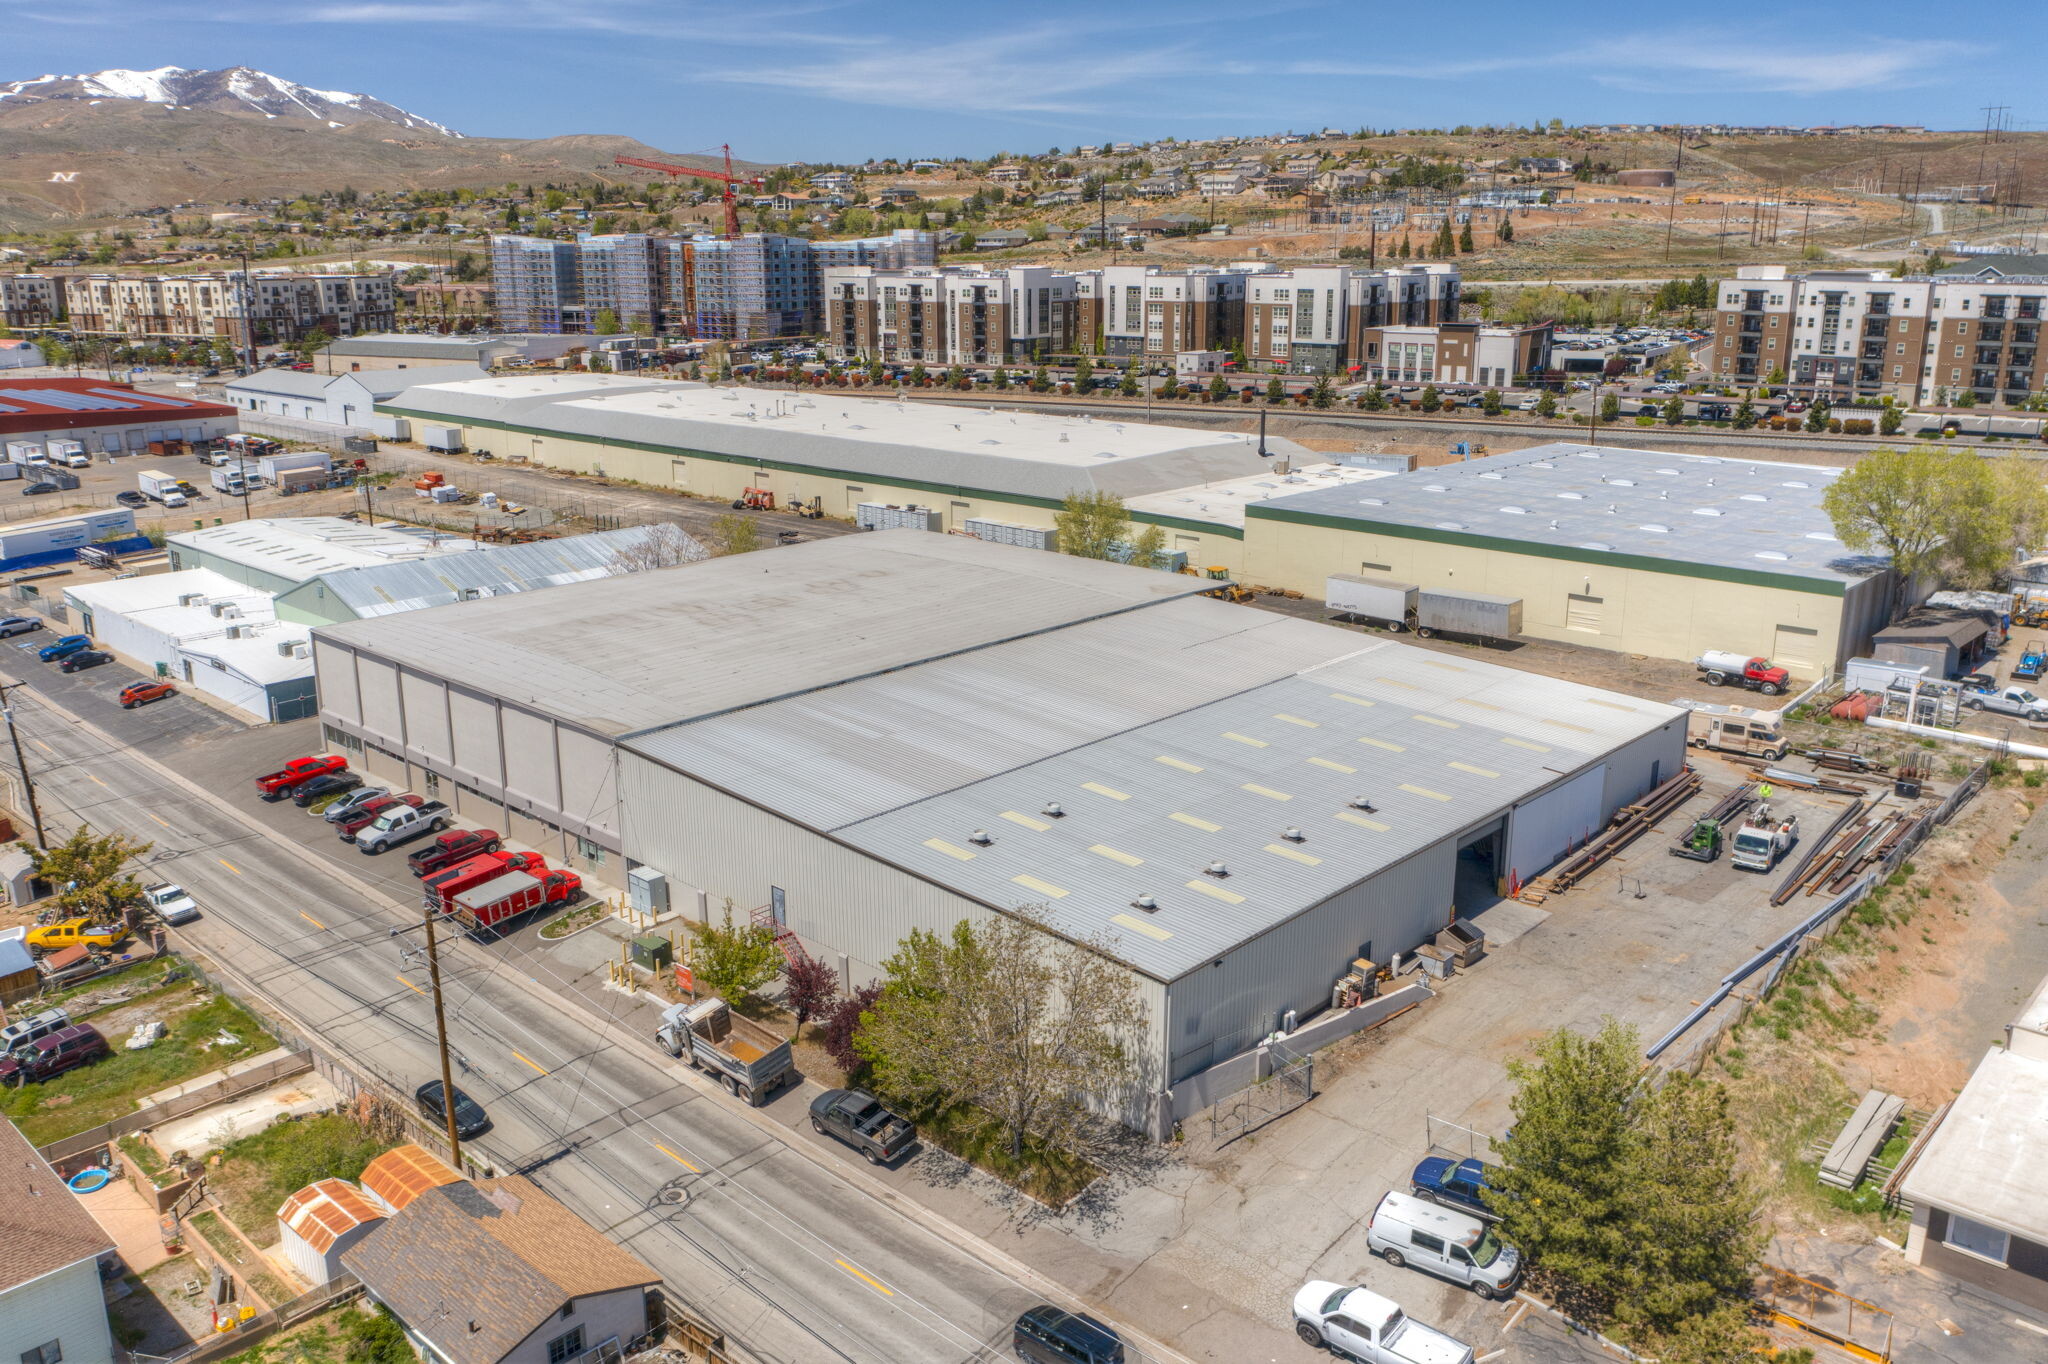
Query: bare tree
x,y
1039,1032
665,546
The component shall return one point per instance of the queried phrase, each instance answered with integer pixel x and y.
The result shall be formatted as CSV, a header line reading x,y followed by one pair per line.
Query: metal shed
x,y
321,1221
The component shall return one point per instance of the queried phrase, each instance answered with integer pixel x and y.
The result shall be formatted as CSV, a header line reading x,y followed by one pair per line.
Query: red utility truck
x,y
512,894
276,785
441,887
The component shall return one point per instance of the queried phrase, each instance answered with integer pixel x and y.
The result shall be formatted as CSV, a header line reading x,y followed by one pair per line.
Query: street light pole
x,y
35,813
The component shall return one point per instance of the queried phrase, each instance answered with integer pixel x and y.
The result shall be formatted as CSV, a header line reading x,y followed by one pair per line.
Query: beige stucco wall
x,y
724,481
1663,615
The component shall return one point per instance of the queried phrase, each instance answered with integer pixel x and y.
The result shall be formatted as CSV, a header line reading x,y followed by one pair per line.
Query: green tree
x,y
1092,525
1148,547
1041,382
1129,384
1374,399
607,323
734,534
918,375
1890,420
1610,408
1506,231
1219,389
1084,375
1432,401
1465,238
1489,402
1039,1032
1546,404
1170,389
88,872
1776,377
1276,391
735,960
1817,415
1000,380
1938,514
1674,410
313,341
1323,394
1745,414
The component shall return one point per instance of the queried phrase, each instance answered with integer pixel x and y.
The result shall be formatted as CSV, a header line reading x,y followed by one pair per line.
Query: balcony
x,y
1873,350
1752,326
1991,331
1986,355
1877,326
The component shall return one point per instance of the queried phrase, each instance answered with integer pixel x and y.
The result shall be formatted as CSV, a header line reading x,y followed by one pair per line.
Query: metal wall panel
x,y
426,718
1544,827
1218,1011
530,757
335,669
1636,767
383,710
589,784
474,721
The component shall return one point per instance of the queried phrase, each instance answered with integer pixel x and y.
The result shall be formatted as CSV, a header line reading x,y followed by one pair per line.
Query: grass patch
x,y
1052,1177
230,1249
341,1335
562,925
258,1172
130,975
142,1156
107,1088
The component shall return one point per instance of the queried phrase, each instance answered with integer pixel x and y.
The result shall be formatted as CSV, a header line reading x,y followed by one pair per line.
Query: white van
x,y
1406,1230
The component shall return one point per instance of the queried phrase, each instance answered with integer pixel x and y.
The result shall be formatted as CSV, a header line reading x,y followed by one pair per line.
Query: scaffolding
x,y
536,284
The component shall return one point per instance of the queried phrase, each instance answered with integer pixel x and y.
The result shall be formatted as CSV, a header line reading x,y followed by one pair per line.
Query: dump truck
x,y
748,1059
1763,839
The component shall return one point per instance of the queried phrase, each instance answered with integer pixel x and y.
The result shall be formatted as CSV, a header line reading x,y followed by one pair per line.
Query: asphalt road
x,y
795,1261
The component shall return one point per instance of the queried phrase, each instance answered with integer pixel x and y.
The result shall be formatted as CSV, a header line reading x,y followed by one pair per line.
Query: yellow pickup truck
x,y
71,932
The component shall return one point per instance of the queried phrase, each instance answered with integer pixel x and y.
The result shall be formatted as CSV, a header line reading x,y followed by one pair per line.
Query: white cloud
x,y
1694,63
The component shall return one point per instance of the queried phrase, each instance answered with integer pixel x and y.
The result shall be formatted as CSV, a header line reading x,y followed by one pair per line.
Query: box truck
x,y
160,487
26,452
70,453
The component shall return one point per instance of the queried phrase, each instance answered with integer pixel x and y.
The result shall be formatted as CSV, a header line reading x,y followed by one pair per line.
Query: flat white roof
x,y
159,591
304,547
1223,502
1988,1160
256,656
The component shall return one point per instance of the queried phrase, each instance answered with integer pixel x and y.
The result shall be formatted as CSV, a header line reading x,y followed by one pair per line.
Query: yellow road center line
x,y
531,1062
43,746
410,986
159,819
867,1279
313,921
229,865
677,1159
95,780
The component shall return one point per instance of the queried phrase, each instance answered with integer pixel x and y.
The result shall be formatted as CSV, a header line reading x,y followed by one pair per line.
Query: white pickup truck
x,y
2010,701
1360,1324
402,824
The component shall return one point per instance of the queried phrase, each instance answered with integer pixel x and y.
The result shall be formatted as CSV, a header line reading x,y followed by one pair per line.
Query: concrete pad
x,y
1506,920
128,1215
198,1133
213,1077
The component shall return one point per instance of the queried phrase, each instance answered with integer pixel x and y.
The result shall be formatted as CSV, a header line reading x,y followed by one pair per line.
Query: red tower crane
x,y
732,212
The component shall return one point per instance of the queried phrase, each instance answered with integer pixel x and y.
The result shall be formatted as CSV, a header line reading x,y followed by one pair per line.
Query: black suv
x,y
1047,1335
471,1121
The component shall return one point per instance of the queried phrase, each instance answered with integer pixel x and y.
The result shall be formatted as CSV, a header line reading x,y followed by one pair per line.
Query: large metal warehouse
x,y
894,731
1635,550
963,463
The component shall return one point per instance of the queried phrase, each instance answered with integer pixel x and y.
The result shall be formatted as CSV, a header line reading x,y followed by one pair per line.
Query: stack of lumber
x,y
1867,1130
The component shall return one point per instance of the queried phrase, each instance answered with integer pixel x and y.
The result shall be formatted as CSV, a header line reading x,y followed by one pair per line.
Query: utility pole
x,y
247,292
429,913
35,814
1593,423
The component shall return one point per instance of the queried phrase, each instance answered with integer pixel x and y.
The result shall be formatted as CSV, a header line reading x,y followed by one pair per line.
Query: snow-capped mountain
x,y
236,89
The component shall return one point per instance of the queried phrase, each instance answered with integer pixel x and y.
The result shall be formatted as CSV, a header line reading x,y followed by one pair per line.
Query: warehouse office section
x,y
1632,550
964,463
1232,804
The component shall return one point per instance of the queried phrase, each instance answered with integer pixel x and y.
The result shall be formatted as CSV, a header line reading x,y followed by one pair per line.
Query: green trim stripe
x,y
675,451
1819,587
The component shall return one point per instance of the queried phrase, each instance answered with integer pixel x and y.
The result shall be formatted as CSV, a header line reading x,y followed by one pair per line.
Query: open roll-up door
x,y
1545,827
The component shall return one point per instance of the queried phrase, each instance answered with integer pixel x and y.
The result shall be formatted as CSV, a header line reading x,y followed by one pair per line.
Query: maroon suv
x,y
64,1049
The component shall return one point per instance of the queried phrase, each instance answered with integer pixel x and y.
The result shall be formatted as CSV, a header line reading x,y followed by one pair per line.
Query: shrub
x,y
843,1024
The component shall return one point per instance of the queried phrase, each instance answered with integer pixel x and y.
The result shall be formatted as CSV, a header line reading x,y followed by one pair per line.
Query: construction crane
x,y
732,211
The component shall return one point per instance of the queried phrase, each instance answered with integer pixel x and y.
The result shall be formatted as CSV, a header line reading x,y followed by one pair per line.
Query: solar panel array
x,y
70,401
4,407
153,399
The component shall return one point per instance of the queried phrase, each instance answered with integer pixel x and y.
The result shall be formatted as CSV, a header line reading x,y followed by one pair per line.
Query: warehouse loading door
x,y
1582,613
1797,650
1547,826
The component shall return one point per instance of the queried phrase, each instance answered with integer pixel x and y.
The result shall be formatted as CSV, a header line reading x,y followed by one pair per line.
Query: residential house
x,y
899,194
1160,186
1546,165
1009,174
498,1272
52,1308
1221,183
1000,239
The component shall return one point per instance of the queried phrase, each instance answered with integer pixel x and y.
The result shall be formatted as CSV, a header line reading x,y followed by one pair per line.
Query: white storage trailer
x,y
1478,614
294,471
1377,599
448,438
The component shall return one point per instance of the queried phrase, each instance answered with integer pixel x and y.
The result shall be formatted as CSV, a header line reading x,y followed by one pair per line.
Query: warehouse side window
x,y
593,853
1974,1238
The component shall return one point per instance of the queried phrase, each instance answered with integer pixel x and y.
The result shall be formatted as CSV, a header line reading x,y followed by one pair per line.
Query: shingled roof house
x,y
497,1272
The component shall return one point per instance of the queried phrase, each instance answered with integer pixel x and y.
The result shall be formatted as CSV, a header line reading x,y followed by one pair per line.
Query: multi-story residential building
x,y
537,285
1155,314
285,307
954,316
619,276
1318,320
1848,334
30,301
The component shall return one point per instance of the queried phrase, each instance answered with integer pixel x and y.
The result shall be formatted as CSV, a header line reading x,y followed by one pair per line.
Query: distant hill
x,y
113,143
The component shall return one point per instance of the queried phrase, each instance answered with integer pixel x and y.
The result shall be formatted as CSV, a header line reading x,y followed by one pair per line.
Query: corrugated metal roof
x,y
1757,515
386,589
1020,453
323,1212
403,1173
653,649
302,547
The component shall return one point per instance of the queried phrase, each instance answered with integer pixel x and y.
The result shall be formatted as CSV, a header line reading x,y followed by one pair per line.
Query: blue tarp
x,y
133,544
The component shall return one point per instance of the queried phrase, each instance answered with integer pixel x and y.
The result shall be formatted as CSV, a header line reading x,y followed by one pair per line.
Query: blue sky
x,y
845,79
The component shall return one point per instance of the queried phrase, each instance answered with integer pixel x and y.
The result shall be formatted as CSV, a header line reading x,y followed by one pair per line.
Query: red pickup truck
x,y
281,783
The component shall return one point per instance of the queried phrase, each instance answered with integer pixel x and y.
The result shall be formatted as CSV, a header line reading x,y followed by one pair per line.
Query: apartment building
x,y
927,315
536,284
619,276
30,301
286,307
1155,314
1295,319
1452,353
1848,334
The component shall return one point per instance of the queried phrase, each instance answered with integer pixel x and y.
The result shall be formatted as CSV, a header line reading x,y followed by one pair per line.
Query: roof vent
x,y
1450,525
1706,511
1775,554
1361,803
1516,511
980,838
1754,497
1795,483
1818,535
1293,835
1052,810
1146,903
1217,870
1653,528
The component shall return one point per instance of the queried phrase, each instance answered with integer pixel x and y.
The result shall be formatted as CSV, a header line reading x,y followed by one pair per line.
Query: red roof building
x,y
107,416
